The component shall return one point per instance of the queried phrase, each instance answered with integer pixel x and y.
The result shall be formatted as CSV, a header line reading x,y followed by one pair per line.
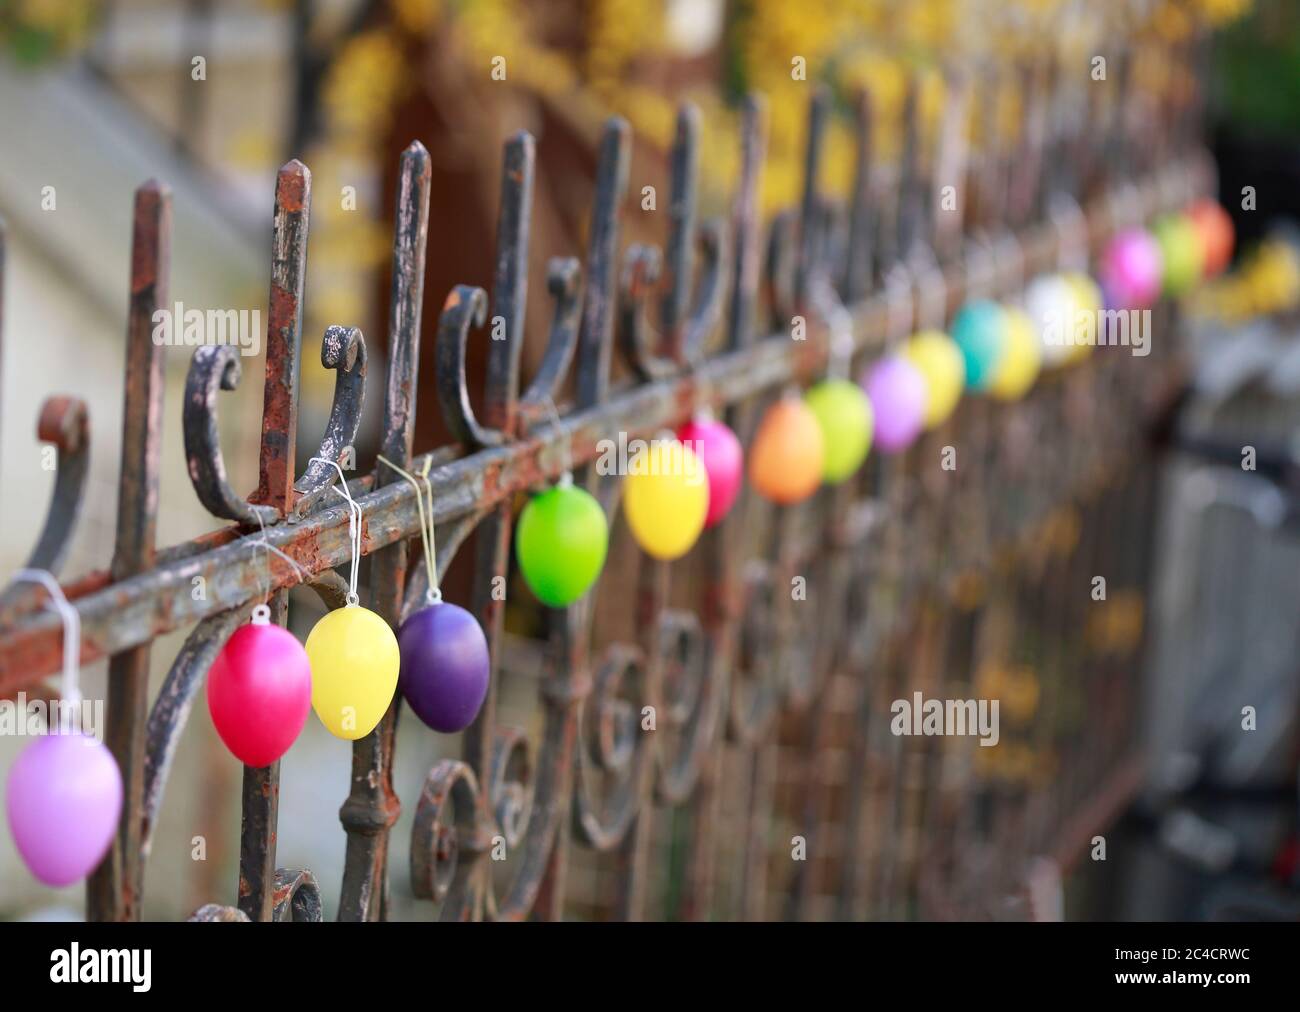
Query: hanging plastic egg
x,y
1021,357
940,363
979,330
785,462
1181,252
896,390
1131,270
724,462
63,798
1050,305
844,415
354,665
445,666
1087,317
1217,234
561,543
259,691
666,498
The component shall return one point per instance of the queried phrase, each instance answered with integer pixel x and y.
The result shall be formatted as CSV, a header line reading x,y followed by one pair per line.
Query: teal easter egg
x,y
980,330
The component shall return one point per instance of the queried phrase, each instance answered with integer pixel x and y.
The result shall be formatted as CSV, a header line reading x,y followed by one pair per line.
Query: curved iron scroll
x,y
212,369
343,350
63,424
684,328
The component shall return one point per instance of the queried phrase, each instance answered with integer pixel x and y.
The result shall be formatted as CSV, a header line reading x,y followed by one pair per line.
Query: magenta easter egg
x,y
63,799
259,692
896,390
724,462
445,666
1131,270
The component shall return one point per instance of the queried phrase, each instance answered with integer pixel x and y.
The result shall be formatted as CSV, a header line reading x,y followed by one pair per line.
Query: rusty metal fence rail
x,y
774,712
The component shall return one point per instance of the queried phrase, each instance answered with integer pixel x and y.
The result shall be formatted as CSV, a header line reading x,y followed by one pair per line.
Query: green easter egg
x,y
1181,250
560,544
844,415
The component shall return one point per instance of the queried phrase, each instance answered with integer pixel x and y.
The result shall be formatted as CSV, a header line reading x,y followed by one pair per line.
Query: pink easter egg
x,y
896,390
259,692
63,799
1132,269
724,462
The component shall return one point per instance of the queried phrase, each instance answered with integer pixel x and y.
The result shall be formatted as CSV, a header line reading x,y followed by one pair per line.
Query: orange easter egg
x,y
785,462
1215,229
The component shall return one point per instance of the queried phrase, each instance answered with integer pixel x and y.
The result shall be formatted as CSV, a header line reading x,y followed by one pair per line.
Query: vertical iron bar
x,y
570,679
113,891
679,252
372,805
492,537
721,545
260,802
809,217
856,282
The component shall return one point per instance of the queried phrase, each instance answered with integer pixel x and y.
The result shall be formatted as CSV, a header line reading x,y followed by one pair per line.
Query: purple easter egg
x,y
63,799
896,390
445,665
1132,269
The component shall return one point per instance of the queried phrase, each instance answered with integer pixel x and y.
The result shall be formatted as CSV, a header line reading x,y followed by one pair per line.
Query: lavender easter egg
x,y
63,799
445,666
896,390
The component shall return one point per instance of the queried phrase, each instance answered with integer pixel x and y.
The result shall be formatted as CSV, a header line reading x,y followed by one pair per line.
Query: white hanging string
x,y
981,269
354,527
262,612
839,322
1010,249
432,593
898,305
70,691
566,477
933,299
1071,229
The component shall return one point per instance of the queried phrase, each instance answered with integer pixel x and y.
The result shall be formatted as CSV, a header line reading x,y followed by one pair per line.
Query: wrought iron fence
x,y
773,732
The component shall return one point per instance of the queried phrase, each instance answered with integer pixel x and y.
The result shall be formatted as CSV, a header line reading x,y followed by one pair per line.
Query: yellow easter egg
x,y
666,498
1087,307
1021,358
354,664
939,361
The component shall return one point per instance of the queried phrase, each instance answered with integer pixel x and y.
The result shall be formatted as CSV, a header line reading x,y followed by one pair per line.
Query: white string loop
x,y
566,477
354,527
432,594
262,613
70,690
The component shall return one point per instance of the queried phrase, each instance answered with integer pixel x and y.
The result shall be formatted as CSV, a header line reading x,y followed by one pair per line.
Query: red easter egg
x,y
1214,227
259,692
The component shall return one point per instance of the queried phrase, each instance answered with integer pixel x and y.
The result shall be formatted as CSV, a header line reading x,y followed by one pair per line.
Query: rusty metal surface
x,y
114,889
768,717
